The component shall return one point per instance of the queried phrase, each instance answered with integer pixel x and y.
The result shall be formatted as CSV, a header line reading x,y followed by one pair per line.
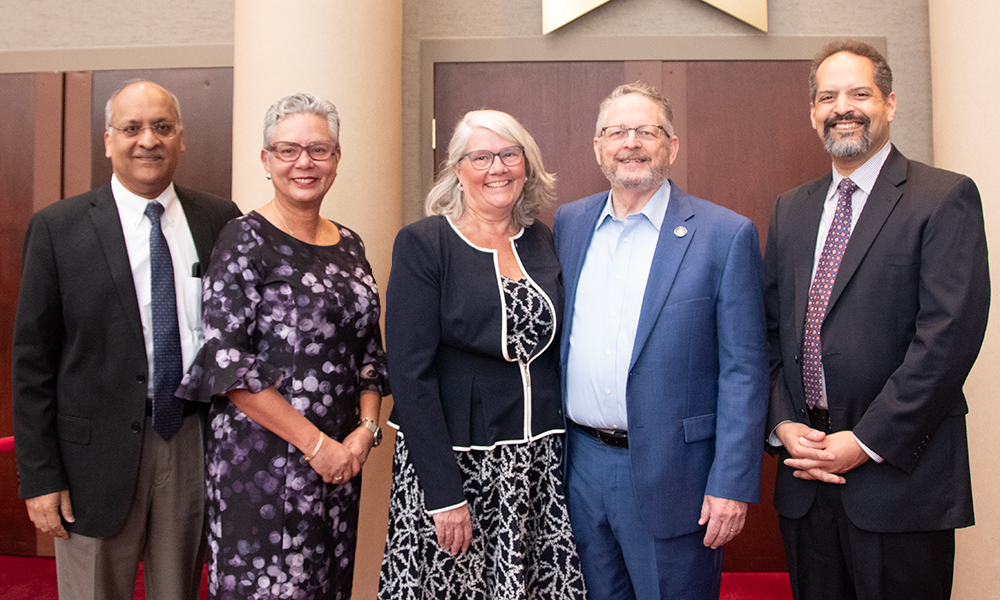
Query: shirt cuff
x,y
868,450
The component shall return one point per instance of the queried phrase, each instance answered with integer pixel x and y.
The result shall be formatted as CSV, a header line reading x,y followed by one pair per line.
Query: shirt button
x,y
136,428
607,353
614,314
607,392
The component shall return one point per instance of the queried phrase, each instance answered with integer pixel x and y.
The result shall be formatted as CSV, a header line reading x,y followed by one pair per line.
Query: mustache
x,y
631,155
833,120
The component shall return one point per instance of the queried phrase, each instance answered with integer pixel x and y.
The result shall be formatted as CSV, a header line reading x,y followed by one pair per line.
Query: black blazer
x,y
79,360
905,322
453,388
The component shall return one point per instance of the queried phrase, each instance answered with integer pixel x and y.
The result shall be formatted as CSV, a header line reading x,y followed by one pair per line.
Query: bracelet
x,y
315,451
363,419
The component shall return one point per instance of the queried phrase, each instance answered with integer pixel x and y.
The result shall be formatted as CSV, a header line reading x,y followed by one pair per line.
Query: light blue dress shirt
x,y
605,315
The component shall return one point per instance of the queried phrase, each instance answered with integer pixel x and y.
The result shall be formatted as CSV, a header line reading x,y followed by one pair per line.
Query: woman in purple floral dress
x,y
294,369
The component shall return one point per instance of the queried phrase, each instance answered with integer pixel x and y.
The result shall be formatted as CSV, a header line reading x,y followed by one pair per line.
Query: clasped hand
x,y
818,456
340,462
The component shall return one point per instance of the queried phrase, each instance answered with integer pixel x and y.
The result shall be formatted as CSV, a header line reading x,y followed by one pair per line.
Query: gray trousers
x,y
165,529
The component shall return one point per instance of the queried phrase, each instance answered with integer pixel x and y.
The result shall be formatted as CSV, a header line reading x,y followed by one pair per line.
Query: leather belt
x,y
616,438
819,418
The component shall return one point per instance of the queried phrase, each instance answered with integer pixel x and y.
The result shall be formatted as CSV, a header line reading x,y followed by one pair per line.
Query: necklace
x,y
282,217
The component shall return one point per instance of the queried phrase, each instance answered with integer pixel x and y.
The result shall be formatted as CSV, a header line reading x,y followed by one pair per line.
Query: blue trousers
x,y
621,558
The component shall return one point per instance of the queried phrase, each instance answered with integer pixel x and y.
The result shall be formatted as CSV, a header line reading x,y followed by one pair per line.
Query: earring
x,y
268,176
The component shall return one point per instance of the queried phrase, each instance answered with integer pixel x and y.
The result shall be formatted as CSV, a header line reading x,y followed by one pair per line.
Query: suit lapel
x,y
803,235
199,223
667,259
576,237
108,228
885,194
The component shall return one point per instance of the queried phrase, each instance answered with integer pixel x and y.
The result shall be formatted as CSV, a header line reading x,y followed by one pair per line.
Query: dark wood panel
x,y
750,134
206,97
77,134
19,144
556,102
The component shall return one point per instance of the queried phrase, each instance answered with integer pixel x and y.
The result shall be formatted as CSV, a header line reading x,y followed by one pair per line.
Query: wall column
x,y
965,53
351,54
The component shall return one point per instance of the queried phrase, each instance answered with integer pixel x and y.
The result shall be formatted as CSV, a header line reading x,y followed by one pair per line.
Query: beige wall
x,y
966,55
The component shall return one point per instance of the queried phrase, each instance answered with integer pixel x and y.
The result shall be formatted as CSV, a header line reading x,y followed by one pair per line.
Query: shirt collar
x,y
865,175
132,207
654,210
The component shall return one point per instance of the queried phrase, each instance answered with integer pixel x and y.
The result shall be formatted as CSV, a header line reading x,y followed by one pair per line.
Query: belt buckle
x,y
614,438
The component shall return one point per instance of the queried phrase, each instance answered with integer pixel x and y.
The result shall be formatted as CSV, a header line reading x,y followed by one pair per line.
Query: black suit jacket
x,y
79,360
905,322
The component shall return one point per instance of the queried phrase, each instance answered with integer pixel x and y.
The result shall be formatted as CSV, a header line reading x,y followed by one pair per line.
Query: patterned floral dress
x,y
280,312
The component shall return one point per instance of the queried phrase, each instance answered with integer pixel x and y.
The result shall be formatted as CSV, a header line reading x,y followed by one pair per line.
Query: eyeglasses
x,y
643,133
482,160
164,130
290,151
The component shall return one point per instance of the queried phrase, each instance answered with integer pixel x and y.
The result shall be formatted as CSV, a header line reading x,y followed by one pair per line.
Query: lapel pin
x,y
681,231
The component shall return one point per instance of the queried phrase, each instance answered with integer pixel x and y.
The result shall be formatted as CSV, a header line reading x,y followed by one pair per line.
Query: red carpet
x,y
24,578
32,578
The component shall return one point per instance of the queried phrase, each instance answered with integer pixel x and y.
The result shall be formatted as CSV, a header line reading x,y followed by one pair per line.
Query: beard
x,y
655,175
847,146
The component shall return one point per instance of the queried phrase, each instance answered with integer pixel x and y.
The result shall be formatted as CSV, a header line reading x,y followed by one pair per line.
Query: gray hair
x,y
446,198
107,106
883,74
646,91
301,104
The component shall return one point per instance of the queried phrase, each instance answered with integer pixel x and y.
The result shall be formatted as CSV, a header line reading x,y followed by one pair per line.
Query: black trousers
x,y
831,559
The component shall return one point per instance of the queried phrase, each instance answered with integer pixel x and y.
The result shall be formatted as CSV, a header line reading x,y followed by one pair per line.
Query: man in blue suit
x,y
664,358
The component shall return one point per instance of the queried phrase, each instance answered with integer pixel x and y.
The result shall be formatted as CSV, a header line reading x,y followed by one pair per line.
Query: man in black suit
x,y
877,299
109,461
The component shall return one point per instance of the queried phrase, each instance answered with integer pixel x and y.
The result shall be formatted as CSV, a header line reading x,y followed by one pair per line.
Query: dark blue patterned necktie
x,y
168,410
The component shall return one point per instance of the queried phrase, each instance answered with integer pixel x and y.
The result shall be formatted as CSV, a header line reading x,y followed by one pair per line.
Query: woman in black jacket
x,y
473,305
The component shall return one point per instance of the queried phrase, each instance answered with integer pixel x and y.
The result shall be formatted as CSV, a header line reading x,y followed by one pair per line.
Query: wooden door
x,y
744,138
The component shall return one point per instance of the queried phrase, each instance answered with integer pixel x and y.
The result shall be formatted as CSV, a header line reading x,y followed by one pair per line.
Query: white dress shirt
x,y
183,254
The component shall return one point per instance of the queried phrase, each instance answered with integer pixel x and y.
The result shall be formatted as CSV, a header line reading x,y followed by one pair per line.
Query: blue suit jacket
x,y
698,378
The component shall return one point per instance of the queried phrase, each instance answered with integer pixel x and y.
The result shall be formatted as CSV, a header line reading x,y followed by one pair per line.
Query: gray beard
x,y
653,179
847,146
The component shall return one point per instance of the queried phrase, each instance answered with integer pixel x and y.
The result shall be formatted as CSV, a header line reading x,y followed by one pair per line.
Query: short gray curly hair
x,y
300,104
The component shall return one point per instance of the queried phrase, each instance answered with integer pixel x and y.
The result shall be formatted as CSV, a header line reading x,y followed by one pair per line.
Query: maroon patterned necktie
x,y
819,293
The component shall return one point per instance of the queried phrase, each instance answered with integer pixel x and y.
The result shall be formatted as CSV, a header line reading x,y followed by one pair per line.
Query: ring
x,y
337,478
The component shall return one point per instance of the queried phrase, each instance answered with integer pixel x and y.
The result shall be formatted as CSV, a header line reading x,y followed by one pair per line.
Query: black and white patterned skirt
x,y
522,545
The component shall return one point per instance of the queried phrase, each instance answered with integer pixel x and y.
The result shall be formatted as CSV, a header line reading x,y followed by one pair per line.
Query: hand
x,y
725,519
335,462
360,442
846,453
454,529
44,512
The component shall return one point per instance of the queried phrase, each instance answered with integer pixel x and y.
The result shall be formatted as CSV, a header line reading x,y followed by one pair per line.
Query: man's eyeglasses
x,y
290,151
482,160
164,130
643,133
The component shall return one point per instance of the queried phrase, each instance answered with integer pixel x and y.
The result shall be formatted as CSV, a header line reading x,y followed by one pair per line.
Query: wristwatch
x,y
373,427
